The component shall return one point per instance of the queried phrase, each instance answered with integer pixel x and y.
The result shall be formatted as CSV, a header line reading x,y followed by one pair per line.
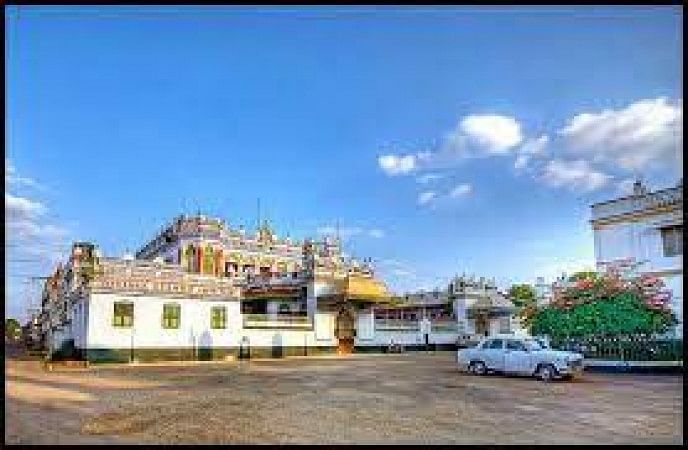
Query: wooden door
x,y
345,331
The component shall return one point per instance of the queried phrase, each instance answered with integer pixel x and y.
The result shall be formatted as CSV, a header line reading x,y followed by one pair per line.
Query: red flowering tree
x,y
607,304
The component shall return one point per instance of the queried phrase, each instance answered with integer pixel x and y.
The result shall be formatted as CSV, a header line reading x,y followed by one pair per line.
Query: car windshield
x,y
532,344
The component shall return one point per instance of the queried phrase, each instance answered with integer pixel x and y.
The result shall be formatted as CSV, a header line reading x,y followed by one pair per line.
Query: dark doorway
x,y
482,325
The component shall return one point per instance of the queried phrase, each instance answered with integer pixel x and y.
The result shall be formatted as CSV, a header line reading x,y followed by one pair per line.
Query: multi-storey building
x,y
200,286
209,246
644,231
200,290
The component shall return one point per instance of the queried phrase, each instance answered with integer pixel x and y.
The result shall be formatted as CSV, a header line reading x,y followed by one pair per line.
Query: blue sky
x,y
120,118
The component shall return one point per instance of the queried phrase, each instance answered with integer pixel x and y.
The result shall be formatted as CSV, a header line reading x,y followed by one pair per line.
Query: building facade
x,y
200,290
644,232
481,309
543,292
197,291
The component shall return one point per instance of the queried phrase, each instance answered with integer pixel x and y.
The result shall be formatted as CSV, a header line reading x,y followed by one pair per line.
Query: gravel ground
x,y
410,398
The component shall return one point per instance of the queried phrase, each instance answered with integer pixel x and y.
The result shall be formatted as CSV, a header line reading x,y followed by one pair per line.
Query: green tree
x,y
522,295
12,328
622,314
584,275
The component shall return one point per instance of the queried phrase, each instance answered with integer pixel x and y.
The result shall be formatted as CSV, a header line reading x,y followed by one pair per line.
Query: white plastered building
x,y
644,231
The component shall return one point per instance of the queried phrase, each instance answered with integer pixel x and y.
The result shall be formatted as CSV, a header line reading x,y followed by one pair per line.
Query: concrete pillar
x,y
460,313
311,300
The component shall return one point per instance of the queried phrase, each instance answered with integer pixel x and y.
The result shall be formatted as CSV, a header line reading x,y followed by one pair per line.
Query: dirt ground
x,y
410,398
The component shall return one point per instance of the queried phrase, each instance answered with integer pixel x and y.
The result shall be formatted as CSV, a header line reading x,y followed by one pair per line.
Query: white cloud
x,y
13,179
461,190
397,165
426,197
644,134
574,175
588,149
492,133
532,148
521,161
31,244
22,208
474,136
477,136
25,218
27,229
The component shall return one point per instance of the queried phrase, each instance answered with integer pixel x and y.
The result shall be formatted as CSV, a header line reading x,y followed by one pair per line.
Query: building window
x,y
218,317
208,260
123,316
672,240
171,313
504,325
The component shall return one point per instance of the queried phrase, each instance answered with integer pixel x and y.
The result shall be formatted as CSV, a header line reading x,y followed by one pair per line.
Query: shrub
x,y
606,305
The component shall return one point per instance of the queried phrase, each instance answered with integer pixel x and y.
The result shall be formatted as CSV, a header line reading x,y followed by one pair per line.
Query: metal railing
x,y
632,348
441,326
396,325
444,326
276,321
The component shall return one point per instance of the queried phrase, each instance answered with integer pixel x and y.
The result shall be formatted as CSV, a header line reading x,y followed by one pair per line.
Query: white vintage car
x,y
519,355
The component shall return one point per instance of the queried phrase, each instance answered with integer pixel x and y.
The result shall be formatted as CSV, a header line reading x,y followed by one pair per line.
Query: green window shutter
x,y
123,315
218,317
171,313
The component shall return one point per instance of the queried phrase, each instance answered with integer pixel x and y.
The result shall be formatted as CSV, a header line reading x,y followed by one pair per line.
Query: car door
x,y
494,354
516,357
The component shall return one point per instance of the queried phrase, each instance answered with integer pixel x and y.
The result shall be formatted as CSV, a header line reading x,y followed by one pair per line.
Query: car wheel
x,y
547,373
478,368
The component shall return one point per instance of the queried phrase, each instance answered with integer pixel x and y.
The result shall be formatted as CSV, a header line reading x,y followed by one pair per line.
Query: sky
x,y
441,140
